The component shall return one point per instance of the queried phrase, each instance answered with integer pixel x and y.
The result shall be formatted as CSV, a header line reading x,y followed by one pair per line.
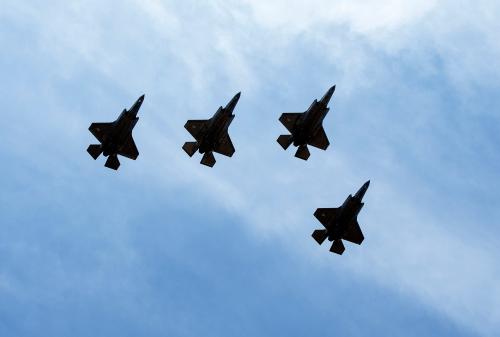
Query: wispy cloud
x,y
412,78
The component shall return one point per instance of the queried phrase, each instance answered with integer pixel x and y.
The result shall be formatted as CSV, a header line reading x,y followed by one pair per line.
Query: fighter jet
x,y
306,128
341,223
212,134
116,137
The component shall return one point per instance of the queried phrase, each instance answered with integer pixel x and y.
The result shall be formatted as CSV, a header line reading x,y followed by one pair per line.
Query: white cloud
x,y
463,34
190,53
367,17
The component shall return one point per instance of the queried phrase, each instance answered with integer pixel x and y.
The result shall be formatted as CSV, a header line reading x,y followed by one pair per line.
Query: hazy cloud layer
x,y
415,111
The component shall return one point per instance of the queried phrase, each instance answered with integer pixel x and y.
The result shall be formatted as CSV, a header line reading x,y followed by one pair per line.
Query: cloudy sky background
x,y
166,246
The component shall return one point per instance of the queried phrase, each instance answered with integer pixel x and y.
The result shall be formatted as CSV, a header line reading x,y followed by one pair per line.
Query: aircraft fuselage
x,y
310,123
218,125
348,212
122,130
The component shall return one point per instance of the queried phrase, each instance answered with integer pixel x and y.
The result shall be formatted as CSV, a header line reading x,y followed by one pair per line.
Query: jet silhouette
x,y
116,137
306,128
211,135
342,222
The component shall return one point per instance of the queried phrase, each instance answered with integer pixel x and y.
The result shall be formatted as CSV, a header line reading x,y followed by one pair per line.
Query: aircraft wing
x,y
289,119
101,130
195,126
320,140
326,215
129,149
354,233
225,146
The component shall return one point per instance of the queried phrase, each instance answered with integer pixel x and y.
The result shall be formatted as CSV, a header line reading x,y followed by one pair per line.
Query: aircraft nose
x,y
328,95
232,104
137,105
361,193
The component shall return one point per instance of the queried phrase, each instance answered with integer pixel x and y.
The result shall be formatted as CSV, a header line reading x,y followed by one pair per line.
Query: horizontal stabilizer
x,y
320,235
302,152
285,141
208,159
190,148
113,162
94,150
337,247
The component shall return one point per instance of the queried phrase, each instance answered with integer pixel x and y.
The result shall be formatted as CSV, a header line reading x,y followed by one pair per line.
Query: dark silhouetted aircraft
x,y
116,137
212,134
306,128
342,222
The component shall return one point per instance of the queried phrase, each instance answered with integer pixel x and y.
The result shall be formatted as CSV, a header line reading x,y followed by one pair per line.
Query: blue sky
x,y
166,246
